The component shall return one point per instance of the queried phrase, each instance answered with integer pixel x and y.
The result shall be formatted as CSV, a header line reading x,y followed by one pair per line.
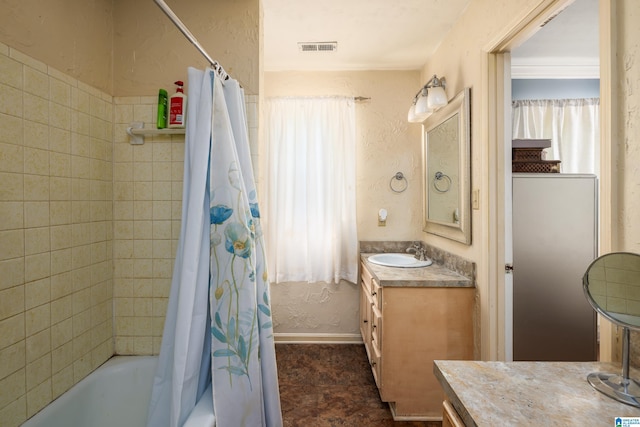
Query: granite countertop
x,y
529,393
435,275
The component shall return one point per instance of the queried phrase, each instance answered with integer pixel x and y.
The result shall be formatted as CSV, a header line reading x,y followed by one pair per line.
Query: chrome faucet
x,y
418,249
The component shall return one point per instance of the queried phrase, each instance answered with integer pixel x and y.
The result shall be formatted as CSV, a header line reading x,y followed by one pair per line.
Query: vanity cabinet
x,y
405,326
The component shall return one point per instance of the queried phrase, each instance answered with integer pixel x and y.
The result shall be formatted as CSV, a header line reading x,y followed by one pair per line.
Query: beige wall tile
x,y
11,272
11,101
11,72
12,214
37,319
11,302
36,134
59,137
36,240
39,397
11,331
61,285
37,293
36,108
60,188
38,371
12,359
61,309
162,171
12,187
36,214
60,212
62,381
12,129
36,161
12,386
59,116
61,261
81,303
142,229
60,91
36,187
61,333
81,278
37,266
36,82
12,244
60,165
142,171
11,158
38,345
80,167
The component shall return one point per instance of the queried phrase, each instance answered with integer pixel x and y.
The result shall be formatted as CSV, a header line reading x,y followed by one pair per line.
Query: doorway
x,y
499,81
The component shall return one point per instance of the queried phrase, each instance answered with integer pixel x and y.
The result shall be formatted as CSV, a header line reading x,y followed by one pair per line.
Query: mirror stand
x,y
611,284
618,387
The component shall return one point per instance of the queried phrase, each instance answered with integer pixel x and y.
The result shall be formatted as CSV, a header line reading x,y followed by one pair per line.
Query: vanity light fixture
x,y
428,99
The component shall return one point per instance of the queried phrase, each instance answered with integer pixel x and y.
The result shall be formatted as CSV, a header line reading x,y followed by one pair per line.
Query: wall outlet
x,y
475,199
382,223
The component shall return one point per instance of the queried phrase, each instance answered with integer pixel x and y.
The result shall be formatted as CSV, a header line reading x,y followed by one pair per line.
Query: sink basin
x,y
398,260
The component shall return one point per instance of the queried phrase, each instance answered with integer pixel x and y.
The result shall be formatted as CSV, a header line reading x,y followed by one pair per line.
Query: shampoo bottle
x,y
162,109
177,107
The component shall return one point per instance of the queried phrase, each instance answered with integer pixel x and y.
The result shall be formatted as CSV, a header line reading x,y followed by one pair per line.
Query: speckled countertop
x,y
435,275
529,393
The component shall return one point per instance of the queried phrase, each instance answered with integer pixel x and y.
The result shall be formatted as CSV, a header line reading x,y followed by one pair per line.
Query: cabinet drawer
x,y
376,294
376,364
365,278
376,327
450,417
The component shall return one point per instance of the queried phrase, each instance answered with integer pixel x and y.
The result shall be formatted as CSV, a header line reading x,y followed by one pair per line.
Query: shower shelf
x,y
137,132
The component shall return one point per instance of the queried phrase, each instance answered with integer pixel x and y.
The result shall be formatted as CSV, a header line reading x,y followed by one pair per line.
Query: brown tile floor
x,y
331,385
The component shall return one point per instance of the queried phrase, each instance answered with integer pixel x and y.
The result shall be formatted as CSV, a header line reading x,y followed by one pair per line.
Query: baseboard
x,y
310,338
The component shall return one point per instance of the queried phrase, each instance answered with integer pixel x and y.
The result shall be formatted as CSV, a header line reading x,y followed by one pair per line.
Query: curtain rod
x,y
183,28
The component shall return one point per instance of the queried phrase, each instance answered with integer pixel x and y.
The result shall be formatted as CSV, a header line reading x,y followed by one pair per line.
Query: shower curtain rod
x,y
183,28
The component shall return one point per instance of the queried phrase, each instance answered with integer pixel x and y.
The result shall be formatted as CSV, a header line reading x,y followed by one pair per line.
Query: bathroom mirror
x,y
612,286
446,170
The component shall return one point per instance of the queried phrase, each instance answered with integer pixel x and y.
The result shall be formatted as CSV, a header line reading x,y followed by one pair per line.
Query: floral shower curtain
x,y
220,266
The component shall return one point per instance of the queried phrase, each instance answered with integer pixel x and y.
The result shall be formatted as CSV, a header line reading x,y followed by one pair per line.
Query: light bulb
x,y
437,98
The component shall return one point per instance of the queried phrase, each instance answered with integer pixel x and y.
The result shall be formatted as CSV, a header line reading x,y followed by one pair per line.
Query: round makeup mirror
x,y
612,287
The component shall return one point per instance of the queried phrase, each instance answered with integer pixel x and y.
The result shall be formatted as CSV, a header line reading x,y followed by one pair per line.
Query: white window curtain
x,y
573,125
310,200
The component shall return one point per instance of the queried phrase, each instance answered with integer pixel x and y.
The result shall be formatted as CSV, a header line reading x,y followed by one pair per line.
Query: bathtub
x,y
106,398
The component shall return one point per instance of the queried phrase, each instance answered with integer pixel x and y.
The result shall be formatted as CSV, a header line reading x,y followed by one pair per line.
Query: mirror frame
x,y
460,232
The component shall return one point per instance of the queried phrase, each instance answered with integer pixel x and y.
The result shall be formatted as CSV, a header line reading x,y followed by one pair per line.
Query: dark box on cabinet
x,y
527,155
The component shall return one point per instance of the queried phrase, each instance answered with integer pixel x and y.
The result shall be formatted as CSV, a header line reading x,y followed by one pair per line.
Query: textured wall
x,y
386,144
74,37
459,58
628,57
628,126
150,52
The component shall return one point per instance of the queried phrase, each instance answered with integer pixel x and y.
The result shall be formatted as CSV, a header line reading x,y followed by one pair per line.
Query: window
x,y
309,207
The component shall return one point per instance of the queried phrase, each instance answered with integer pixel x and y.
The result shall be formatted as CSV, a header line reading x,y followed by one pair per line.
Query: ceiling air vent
x,y
317,46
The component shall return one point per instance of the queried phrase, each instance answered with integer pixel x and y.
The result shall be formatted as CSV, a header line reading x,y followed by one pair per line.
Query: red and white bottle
x,y
178,107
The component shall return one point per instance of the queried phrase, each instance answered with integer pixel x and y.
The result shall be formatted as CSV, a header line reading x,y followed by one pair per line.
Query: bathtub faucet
x,y
418,249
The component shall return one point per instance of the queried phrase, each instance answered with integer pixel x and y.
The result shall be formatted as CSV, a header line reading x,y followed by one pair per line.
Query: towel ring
x,y
399,176
442,188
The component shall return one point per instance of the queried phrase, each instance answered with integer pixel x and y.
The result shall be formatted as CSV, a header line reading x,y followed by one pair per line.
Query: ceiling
x,y
400,35
371,34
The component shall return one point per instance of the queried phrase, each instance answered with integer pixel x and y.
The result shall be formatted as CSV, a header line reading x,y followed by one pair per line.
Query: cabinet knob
x,y
373,294
365,321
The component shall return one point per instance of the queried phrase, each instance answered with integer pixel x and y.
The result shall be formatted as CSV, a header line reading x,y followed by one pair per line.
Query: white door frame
x,y
498,135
